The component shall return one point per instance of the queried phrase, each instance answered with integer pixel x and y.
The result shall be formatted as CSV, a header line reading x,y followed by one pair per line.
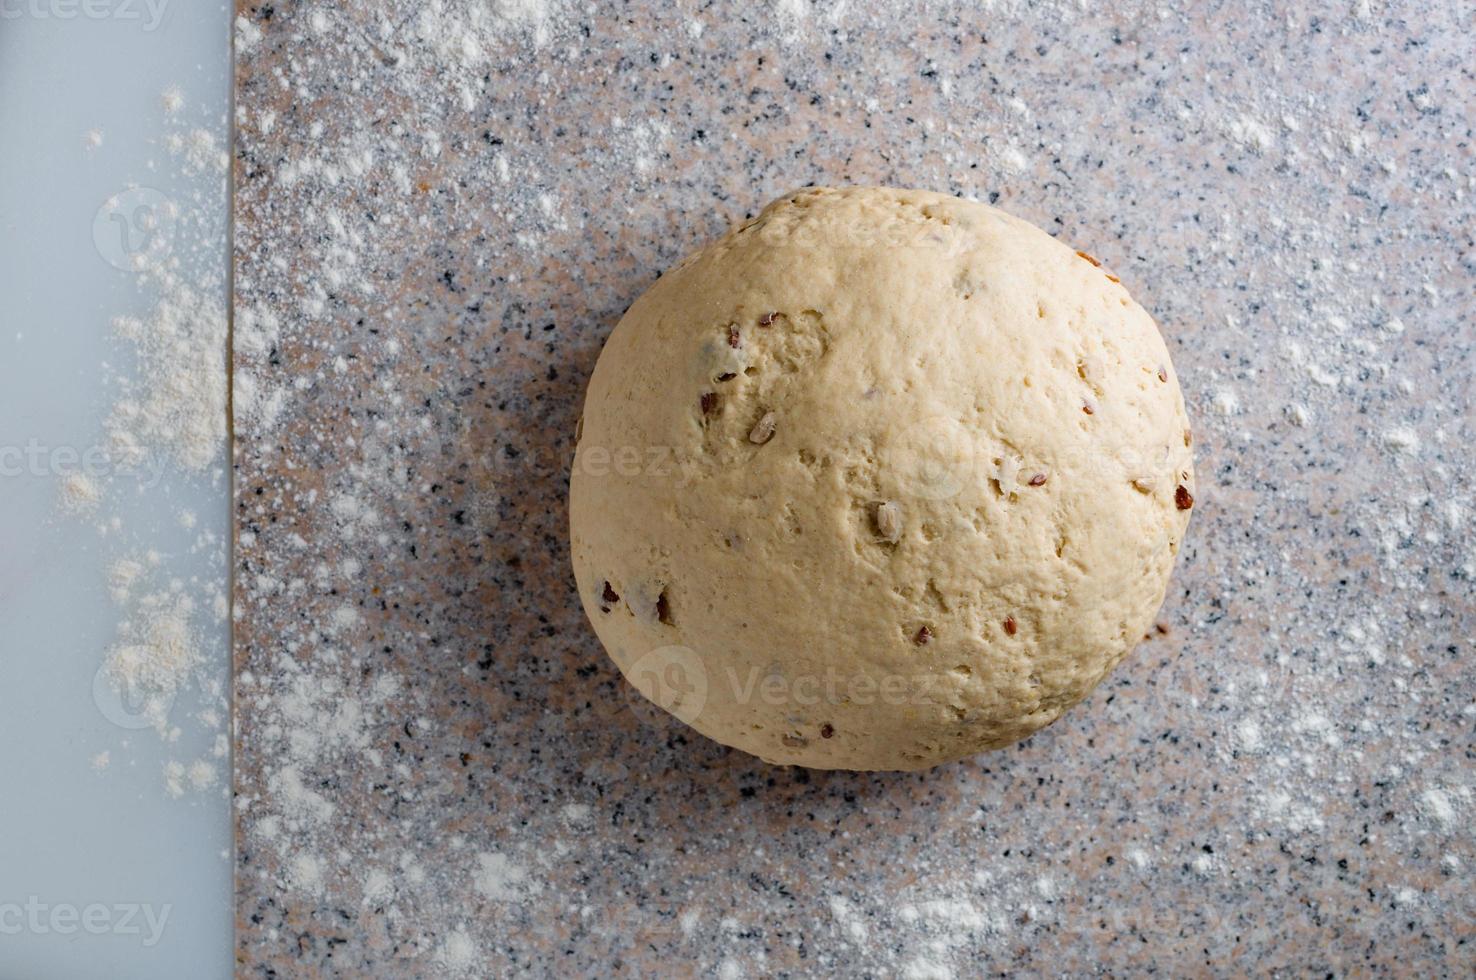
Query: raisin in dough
x,y
879,479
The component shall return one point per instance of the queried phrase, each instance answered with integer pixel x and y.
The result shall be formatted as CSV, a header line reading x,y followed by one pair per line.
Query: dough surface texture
x,y
880,479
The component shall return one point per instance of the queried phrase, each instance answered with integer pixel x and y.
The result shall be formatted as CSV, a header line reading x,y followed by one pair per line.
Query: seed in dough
x,y
763,430
889,522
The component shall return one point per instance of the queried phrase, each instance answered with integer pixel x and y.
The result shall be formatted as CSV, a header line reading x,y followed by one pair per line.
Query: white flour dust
x,y
166,422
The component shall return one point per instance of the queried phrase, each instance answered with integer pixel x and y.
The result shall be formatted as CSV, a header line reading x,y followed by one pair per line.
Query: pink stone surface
x,y
438,771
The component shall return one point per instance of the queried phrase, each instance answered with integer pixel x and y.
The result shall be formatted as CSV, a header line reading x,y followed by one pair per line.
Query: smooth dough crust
x,y
880,479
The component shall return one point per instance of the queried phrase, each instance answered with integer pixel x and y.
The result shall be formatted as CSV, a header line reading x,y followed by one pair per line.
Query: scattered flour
x,y
1336,328
850,922
1012,159
499,879
1437,805
305,871
122,577
1250,132
1402,439
80,493
459,956
167,416
159,653
174,778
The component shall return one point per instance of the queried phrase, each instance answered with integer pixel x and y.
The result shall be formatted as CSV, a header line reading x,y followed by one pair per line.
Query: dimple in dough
x,y
880,479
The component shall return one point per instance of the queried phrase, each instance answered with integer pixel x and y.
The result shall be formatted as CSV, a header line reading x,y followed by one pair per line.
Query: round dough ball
x,y
880,479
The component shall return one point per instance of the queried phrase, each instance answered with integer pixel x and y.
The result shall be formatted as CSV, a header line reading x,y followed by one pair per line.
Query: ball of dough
x,y
879,479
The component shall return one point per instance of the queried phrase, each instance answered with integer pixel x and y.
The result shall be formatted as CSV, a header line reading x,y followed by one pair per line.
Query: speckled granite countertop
x,y
441,213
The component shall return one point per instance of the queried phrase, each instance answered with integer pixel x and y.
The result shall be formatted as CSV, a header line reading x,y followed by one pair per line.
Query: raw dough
x,y
880,479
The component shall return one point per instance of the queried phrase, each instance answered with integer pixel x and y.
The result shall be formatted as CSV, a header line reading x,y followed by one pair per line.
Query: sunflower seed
x,y
888,519
763,430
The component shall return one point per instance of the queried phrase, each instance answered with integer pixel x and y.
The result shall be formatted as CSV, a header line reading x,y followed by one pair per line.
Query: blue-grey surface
x,y
102,872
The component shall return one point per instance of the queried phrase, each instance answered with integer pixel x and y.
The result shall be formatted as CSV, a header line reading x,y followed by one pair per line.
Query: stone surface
x,y
440,216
